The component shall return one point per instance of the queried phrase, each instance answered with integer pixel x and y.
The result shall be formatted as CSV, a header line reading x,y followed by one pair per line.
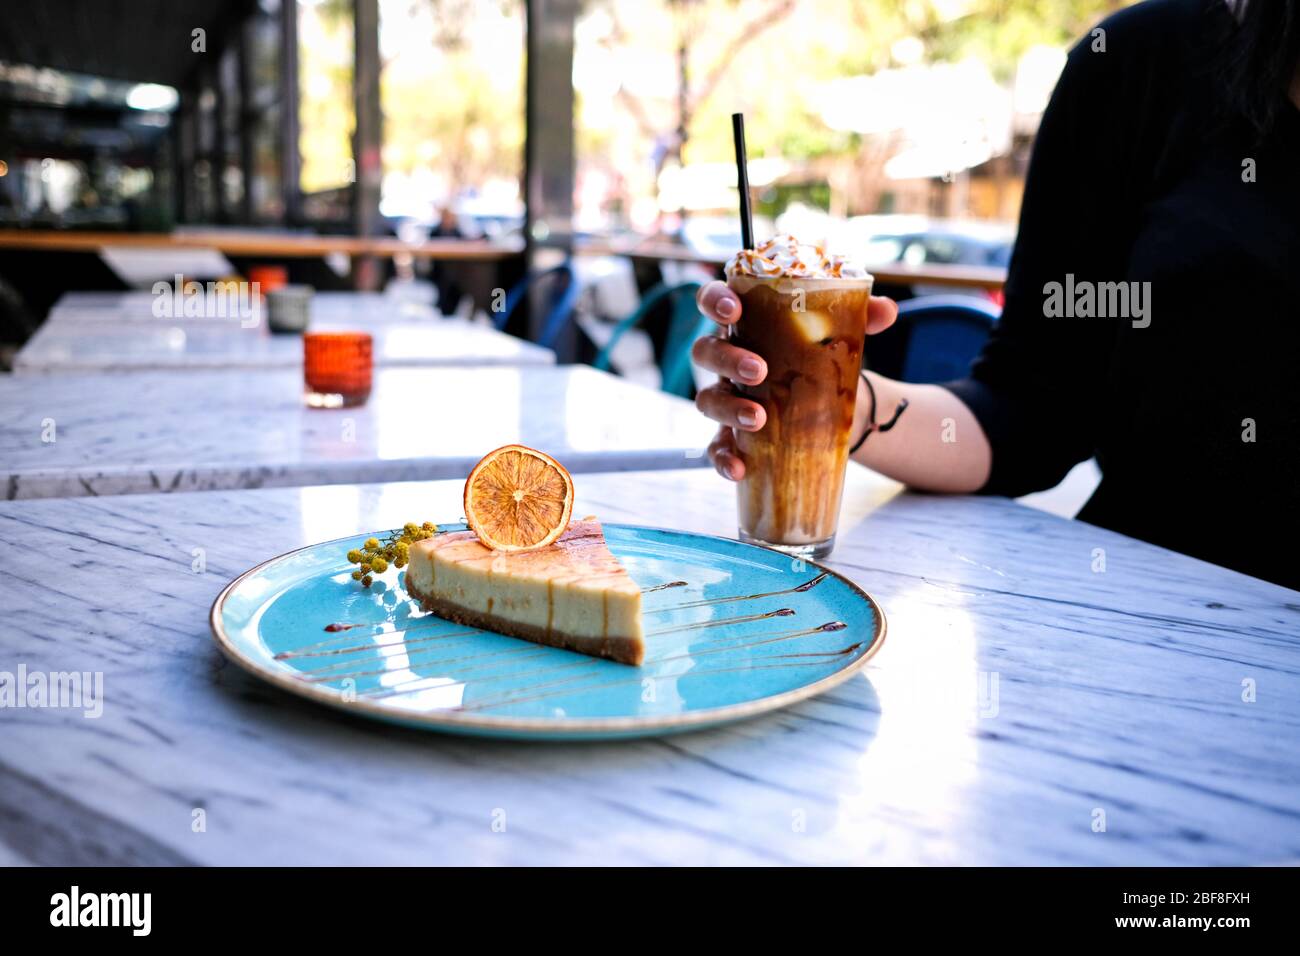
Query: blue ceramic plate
x,y
732,630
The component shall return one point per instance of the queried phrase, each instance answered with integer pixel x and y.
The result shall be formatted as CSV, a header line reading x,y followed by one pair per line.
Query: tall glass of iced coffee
x,y
805,313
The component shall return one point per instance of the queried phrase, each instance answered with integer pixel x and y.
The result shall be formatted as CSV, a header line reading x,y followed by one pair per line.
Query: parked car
x,y
940,246
940,242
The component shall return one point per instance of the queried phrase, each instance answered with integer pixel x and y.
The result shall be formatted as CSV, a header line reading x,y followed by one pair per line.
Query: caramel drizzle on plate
x,y
395,644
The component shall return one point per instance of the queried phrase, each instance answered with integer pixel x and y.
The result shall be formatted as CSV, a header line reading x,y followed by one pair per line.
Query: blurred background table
x,y
111,345
260,242
363,308
1023,709
186,431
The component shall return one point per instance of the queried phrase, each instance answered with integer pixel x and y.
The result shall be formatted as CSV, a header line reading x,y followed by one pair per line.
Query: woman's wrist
x,y
872,411
861,412
919,456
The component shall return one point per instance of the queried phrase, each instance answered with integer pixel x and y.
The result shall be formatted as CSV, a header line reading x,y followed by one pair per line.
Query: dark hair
x,y
1260,57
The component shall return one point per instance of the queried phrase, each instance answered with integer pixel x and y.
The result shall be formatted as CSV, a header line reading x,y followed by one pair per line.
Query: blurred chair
x,y
37,278
944,334
685,325
564,289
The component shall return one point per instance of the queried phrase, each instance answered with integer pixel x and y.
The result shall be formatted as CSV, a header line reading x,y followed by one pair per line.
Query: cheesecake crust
x,y
623,649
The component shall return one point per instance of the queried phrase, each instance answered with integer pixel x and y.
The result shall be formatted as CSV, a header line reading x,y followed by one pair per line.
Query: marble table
x,y
365,308
187,431
1026,708
88,345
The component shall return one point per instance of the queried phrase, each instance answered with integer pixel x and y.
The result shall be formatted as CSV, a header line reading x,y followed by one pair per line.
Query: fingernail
x,y
726,307
746,417
750,368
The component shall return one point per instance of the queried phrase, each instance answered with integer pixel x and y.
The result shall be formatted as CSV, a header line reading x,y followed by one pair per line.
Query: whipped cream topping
x,y
787,256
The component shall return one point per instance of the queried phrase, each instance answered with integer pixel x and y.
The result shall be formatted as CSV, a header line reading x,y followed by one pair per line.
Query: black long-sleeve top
x,y
1194,418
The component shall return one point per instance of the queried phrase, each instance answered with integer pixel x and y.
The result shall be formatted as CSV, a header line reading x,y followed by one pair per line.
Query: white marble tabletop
x,y
186,431
85,344
1026,708
138,307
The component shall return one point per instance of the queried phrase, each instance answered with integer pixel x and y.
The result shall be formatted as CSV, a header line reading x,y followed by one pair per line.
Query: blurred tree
x,y
451,88
694,24
998,32
453,102
325,108
670,73
767,57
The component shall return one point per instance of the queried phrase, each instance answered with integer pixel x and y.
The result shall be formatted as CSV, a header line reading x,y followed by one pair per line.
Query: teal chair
x,y
685,326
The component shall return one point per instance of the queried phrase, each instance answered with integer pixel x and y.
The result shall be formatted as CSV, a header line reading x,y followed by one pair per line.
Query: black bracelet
x,y
871,419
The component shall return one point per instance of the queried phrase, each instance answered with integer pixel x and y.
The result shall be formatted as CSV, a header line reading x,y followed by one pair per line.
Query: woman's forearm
x,y
937,444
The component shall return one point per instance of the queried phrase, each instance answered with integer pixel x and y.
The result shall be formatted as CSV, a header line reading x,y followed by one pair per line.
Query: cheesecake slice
x,y
573,593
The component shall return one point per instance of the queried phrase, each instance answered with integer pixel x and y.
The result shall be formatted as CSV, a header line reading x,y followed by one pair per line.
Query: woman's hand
x,y
734,364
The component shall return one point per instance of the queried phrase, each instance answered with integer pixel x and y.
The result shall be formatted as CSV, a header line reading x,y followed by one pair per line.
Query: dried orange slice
x,y
518,499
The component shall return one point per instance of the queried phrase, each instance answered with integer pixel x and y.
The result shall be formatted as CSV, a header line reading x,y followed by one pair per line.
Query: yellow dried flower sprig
x,y
375,556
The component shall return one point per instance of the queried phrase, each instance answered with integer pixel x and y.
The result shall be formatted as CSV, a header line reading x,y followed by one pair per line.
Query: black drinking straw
x,y
742,173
